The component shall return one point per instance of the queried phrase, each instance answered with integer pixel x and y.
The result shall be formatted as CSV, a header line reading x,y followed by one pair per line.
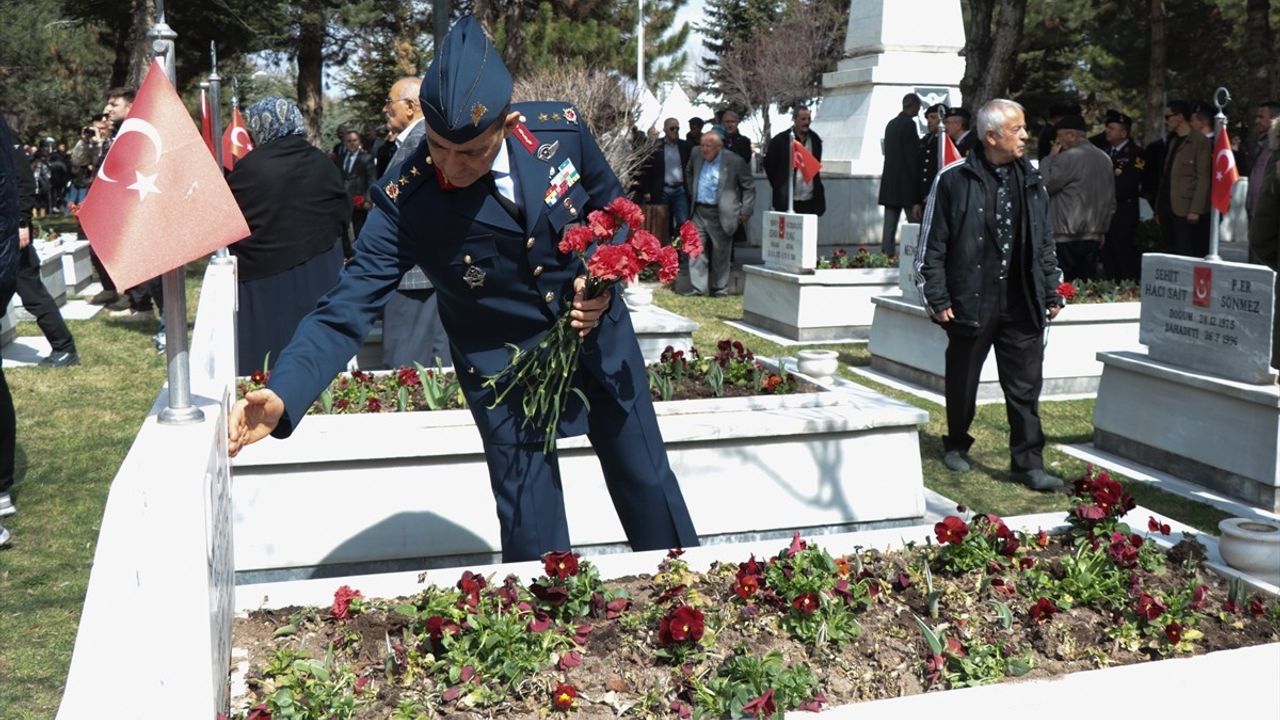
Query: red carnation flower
x,y
614,262
647,247
563,697
951,530
602,225
669,264
681,624
560,565
342,599
627,211
576,240
690,240
358,202
1067,291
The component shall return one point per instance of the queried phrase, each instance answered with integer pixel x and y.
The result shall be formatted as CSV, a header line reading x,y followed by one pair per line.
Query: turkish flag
x,y
157,202
236,142
1225,173
804,161
949,153
206,121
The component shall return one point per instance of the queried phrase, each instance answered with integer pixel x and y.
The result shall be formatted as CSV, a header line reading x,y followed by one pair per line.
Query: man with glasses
x,y
664,175
1183,197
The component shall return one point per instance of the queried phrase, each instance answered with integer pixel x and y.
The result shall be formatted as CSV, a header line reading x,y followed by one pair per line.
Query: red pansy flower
x,y
1043,610
1198,596
761,707
682,623
1149,607
746,586
1256,608
258,377
1156,526
806,603
563,696
409,377
560,565
374,405
1173,631
570,660
553,595
342,599
951,530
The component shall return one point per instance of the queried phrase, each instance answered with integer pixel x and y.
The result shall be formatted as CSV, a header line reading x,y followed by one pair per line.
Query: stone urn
x,y
637,297
818,364
1251,546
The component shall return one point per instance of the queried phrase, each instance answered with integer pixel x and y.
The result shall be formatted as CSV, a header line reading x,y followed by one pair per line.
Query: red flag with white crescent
x,y
1225,172
804,161
157,203
236,142
206,121
950,153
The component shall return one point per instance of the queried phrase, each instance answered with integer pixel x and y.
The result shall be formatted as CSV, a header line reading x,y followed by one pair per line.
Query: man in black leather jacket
x,y
989,276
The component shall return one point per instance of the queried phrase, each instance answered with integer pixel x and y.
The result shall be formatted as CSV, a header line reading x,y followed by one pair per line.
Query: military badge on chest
x,y
474,277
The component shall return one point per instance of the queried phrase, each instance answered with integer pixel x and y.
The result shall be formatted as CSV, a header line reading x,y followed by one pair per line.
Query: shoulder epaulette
x,y
548,115
408,176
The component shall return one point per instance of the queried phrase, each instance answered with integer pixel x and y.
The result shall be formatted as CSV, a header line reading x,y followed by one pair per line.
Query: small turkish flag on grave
x,y
236,142
157,202
1225,173
804,161
1201,285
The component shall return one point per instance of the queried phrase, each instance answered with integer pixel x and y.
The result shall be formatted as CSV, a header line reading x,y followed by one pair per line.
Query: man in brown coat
x,y
1182,202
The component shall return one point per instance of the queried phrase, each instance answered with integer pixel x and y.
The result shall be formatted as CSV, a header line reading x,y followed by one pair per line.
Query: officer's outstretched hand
x,y
585,315
252,419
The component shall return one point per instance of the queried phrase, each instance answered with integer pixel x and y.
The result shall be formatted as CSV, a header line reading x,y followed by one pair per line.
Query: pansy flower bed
x,y
1100,291
733,371
861,259
801,629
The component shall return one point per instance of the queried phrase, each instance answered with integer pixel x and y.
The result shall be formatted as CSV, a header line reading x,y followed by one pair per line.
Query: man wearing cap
x,y
929,154
480,207
1082,198
956,122
1120,257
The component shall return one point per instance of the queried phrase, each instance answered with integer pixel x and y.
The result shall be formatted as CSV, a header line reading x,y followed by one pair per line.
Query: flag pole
x,y
179,411
791,163
220,256
1220,98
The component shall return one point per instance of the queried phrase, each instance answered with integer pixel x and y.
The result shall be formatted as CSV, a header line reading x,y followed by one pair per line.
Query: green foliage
x,y
309,689
862,259
816,612
744,677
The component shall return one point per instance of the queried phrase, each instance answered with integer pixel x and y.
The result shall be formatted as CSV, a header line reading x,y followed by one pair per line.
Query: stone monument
x,y
891,49
1202,404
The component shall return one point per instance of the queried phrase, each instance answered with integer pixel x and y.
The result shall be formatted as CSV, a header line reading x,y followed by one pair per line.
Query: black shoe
x,y
104,297
720,294
1037,480
955,461
120,303
61,359
689,293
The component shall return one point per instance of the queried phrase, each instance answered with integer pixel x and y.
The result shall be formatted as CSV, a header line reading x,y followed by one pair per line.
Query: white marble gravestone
x,y
790,242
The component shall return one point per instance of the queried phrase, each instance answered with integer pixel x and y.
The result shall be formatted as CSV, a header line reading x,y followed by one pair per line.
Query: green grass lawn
x,y
75,426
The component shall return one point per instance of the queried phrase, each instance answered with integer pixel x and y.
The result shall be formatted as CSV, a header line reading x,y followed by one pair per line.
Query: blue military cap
x,y
466,88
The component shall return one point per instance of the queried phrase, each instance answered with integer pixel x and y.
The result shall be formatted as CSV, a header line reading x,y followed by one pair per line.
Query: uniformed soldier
x,y
929,154
1120,257
480,207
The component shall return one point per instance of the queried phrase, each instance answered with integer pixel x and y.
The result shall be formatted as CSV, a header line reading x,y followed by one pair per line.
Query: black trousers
x,y
37,301
1019,359
1120,257
889,235
1180,237
8,435
1078,259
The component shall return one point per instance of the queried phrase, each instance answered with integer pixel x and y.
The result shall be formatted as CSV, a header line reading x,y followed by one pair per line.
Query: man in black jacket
x,y
899,181
988,275
810,198
662,180
9,219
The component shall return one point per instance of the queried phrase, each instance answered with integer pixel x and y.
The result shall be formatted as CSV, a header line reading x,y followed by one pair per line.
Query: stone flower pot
x,y
1252,547
818,364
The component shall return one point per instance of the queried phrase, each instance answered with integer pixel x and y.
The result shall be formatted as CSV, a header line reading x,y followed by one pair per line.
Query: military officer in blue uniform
x,y
481,206
1121,259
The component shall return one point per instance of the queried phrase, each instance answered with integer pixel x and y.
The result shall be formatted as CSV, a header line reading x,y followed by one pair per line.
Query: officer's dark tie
x,y
512,209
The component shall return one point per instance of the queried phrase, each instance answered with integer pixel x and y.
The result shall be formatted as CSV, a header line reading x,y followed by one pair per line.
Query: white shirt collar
x,y
405,132
501,161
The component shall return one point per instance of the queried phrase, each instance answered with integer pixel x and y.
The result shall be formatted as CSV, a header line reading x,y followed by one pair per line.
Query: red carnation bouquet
x,y
545,371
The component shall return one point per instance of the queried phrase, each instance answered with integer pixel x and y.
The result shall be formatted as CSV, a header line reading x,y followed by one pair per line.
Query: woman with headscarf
x,y
297,209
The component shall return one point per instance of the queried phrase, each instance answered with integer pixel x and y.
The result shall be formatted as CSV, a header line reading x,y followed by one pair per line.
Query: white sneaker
x,y
6,505
4,536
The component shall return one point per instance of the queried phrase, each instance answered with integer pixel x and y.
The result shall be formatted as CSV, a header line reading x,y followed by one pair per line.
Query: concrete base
x,y
907,345
819,306
1222,434
77,268
8,331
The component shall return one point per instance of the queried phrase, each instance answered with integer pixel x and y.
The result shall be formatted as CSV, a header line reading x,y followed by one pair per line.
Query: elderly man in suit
x,y
663,175
722,192
358,173
411,328
481,206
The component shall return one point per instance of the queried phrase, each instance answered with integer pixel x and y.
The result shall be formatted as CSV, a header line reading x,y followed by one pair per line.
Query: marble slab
x,y
1211,316
790,242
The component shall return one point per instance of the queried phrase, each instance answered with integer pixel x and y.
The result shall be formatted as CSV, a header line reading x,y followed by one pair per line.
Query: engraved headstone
x,y
908,243
790,242
1213,317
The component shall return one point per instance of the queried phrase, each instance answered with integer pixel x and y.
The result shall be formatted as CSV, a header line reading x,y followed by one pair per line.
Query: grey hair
x,y
992,116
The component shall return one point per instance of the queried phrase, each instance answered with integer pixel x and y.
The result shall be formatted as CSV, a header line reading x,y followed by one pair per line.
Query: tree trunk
x,y
1003,55
144,16
977,49
1156,70
1257,52
310,70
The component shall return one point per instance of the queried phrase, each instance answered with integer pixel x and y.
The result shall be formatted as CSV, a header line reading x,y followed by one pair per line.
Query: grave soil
x,y
621,669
